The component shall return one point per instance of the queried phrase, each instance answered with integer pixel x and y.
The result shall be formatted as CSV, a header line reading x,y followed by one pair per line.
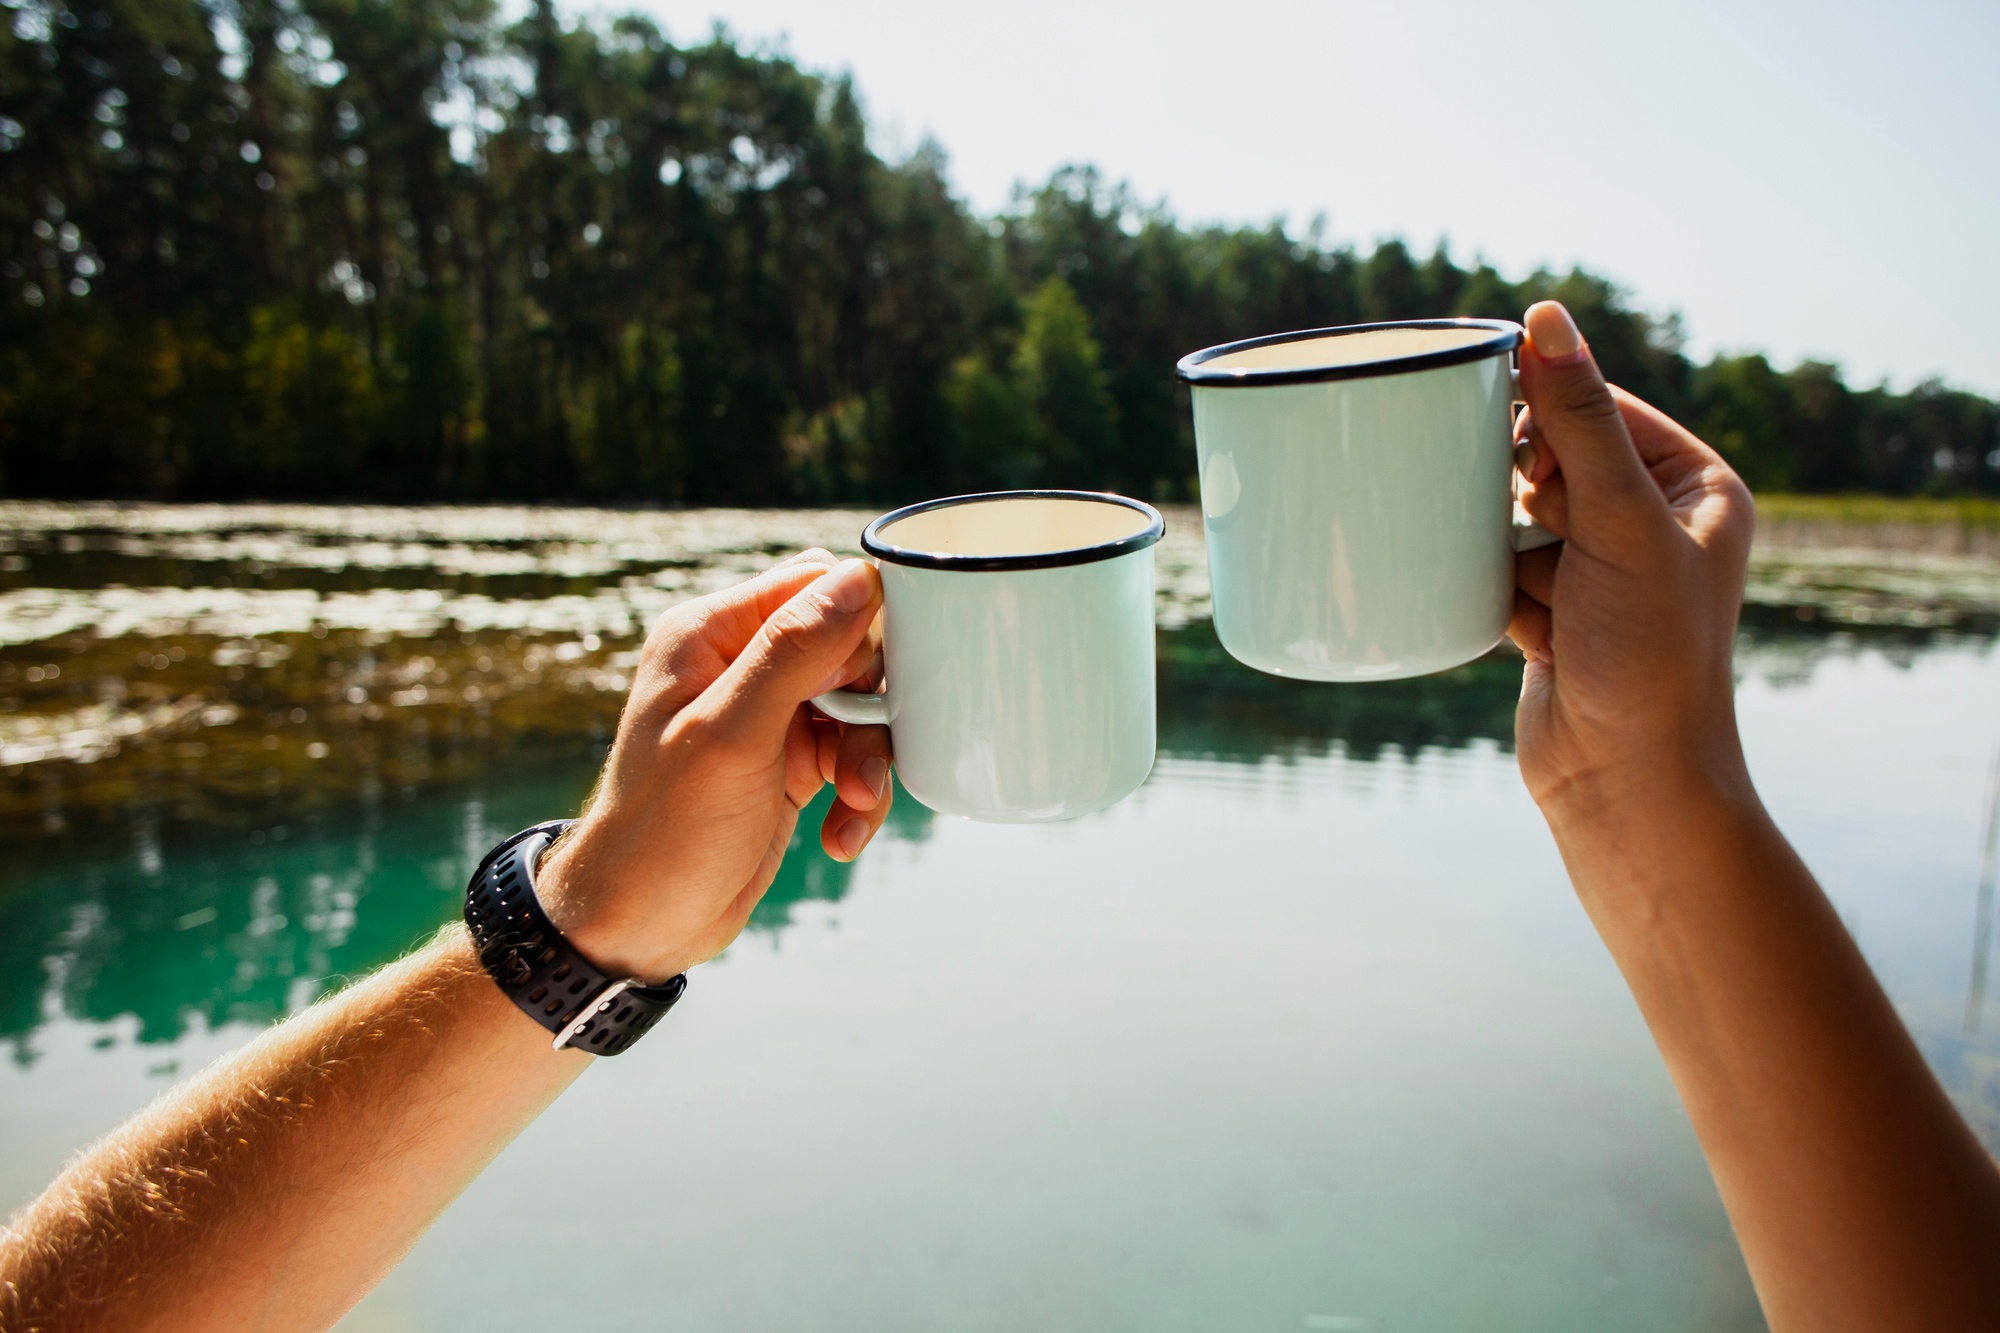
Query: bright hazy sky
x,y
1814,179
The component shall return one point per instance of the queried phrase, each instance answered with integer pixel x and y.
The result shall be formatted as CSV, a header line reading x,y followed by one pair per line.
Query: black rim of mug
x,y
1507,335
872,543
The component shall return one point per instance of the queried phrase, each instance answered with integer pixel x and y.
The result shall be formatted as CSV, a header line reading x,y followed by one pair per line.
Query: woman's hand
x,y
1861,1199
1628,625
716,754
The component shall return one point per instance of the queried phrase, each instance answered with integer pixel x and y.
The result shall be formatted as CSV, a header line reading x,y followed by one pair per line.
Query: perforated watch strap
x,y
541,971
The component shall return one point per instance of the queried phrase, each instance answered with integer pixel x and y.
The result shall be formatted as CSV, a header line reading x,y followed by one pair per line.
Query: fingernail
x,y
852,837
849,585
1553,333
874,771
1524,458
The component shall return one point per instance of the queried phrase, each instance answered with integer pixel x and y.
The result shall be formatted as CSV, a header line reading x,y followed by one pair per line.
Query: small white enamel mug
x,y
1017,652
1357,495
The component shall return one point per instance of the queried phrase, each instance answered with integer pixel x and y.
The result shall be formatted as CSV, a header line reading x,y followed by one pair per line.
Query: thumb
x,y
804,648
1576,418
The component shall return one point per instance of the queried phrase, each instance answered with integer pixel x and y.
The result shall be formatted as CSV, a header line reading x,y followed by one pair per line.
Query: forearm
x,y
274,1190
280,1185
1860,1197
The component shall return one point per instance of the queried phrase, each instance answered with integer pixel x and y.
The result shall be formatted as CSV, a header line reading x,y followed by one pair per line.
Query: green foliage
x,y
1060,377
411,248
309,401
1742,407
1976,513
1048,419
991,444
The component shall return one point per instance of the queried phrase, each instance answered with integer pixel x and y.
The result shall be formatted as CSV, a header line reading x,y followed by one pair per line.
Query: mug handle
x,y
1528,535
861,710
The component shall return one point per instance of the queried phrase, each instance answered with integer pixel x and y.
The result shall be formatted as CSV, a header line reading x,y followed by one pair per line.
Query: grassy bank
x,y
1967,512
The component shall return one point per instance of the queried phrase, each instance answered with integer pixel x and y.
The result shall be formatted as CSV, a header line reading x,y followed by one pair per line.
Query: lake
x,y
1310,1033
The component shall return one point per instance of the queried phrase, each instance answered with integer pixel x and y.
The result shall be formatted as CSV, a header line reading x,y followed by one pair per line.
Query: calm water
x,y
1309,1034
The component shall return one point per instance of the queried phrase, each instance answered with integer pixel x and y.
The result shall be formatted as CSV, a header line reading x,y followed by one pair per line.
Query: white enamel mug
x,y
1357,495
1017,652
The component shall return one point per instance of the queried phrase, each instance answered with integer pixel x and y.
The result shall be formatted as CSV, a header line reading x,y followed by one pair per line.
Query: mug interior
x,y
1357,351
1015,527
1356,348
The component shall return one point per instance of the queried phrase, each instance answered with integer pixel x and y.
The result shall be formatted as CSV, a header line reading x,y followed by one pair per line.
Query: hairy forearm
x,y
278,1186
1860,1197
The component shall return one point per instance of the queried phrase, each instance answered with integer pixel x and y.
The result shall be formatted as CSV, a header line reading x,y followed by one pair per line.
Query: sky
x,y
1807,180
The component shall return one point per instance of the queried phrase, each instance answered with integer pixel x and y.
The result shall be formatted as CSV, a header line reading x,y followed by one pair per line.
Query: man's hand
x,y
1628,625
716,754
275,1188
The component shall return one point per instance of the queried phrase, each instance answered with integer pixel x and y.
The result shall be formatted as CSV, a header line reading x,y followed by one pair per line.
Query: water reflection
x,y
248,877
208,930
178,927
1785,645
1982,930
281,833
1212,707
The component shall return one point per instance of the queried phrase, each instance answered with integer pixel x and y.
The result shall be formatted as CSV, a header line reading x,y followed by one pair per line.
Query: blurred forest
x,y
410,249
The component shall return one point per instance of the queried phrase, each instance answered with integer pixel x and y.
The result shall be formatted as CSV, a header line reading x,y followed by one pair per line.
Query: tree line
x,y
407,249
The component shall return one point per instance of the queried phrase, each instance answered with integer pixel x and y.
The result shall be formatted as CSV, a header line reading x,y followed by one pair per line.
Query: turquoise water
x,y
1308,1034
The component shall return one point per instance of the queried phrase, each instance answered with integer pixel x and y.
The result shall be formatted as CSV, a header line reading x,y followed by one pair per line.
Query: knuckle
x,y
661,656
667,664
1584,398
663,638
792,630
673,631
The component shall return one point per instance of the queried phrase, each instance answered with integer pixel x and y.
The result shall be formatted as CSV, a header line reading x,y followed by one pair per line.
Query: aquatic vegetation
x,y
238,730
1876,587
156,570
237,664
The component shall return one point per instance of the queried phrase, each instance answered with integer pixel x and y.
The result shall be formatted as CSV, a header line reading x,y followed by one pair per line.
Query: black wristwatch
x,y
585,1006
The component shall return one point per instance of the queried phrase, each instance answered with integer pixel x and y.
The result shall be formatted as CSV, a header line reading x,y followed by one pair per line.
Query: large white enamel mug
x,y
1357,495
1017,652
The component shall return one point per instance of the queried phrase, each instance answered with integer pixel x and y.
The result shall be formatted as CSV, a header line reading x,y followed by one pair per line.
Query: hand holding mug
x,y
715,756
1629,625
